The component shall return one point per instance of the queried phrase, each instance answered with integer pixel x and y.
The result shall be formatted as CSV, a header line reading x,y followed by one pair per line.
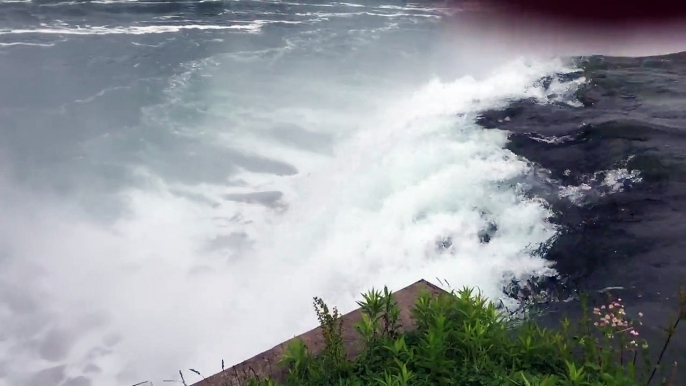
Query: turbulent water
x,y
178,179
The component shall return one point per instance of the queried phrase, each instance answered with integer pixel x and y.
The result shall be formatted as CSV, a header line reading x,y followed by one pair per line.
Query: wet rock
x,y
444,243
485,235
588,97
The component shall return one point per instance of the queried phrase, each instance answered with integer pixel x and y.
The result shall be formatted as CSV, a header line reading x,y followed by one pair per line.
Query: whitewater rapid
x,y
318,154
148,292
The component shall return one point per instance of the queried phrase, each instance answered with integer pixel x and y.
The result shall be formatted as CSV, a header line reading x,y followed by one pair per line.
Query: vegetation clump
x,y
463,339
460,338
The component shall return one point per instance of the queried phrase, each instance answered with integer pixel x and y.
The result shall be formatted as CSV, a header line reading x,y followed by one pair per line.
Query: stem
x,y
621,356
664,348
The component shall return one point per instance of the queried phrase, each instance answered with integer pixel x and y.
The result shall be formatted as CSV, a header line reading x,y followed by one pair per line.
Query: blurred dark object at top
x,y
615,12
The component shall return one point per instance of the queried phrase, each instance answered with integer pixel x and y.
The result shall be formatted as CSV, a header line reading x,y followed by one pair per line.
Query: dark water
x,y
630,243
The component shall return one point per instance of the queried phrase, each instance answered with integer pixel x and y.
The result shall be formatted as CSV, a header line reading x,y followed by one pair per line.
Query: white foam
x,y
593,186
616,179
552,139
354,5
26,44
253,26
575,194
369,214
351,14
99,94
147,45
333,4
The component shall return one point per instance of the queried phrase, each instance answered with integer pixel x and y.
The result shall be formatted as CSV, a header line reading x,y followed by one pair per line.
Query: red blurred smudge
x,y
605,13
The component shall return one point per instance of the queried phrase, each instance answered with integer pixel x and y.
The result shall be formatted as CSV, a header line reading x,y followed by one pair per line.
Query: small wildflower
x,y
640,314
595,324
602,307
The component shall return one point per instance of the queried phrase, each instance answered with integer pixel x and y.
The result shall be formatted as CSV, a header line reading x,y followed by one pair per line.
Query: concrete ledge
x,y
265,364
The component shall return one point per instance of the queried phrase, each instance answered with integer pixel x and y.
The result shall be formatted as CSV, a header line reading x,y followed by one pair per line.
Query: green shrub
x,y
462,339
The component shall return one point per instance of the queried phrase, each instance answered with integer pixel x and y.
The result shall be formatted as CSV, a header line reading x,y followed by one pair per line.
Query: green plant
x,y
296,358
460,338
333,359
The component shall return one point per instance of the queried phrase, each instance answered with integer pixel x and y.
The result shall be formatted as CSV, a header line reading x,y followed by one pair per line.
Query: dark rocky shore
x,y
630,241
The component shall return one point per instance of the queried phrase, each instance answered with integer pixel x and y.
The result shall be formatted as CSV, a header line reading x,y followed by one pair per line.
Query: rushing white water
x,y
265,176
148,293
